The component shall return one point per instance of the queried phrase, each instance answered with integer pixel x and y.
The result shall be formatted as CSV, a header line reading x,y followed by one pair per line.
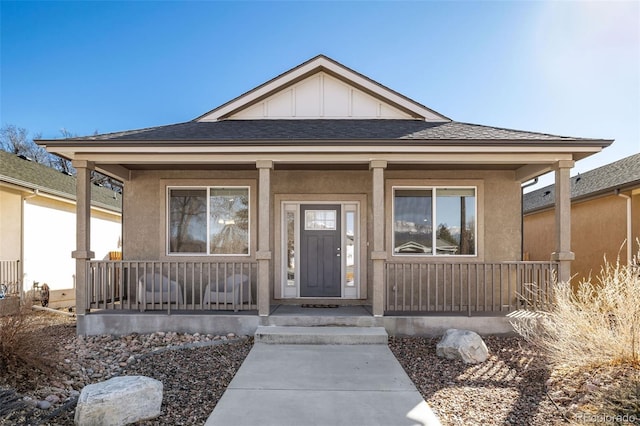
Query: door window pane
x,y
412,221
188,220
320,220
229,220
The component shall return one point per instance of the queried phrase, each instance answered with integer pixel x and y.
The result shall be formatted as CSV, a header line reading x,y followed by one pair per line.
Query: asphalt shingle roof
x,y
621,173
29,174
324,130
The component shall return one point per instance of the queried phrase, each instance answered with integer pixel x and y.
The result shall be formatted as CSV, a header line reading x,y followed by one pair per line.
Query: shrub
x,y
595,324
17,349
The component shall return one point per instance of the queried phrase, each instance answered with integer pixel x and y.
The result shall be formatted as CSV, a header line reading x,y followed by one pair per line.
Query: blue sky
x,y
567,68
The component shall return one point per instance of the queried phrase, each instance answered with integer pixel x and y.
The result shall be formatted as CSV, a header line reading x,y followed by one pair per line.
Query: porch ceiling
x,y
528,162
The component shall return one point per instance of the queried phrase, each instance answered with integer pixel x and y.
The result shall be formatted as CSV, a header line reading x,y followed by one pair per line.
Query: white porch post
x,y
83,253
263,255
378,254
563,254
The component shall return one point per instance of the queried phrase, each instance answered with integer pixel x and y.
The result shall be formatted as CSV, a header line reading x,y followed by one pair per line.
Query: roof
x,y
28,174
621,174
323,112
370,130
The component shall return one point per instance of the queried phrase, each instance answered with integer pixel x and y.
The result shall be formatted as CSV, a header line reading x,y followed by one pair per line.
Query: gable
x,y
321,89
321,96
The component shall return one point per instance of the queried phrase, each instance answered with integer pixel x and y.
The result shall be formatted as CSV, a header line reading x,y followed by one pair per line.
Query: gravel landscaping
x,y
514,386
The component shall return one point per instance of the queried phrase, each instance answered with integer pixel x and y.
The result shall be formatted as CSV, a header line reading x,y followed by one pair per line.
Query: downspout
x,y
35,193
629,235
522,187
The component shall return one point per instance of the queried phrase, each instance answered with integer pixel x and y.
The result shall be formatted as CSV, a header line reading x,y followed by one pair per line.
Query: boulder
x,y
119,401
462,344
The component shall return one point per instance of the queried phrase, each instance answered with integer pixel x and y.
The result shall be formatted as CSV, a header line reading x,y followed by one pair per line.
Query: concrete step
x,y
321,335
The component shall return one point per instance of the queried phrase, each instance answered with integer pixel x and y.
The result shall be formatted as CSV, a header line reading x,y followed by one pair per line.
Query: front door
x,y
320,245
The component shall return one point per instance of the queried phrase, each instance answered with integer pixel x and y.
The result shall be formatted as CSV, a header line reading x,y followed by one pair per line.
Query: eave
x,y
528,158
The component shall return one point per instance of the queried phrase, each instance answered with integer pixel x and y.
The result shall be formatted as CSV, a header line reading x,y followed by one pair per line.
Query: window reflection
x,y
453,221
455,209
350,278
229,220
188,218
291,244
412,221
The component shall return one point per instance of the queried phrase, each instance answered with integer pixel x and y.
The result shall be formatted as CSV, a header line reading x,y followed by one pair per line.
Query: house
x,y
605,217
250,207
38,227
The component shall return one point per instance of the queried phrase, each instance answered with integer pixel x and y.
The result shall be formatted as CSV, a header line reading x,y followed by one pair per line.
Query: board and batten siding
x,y
321,96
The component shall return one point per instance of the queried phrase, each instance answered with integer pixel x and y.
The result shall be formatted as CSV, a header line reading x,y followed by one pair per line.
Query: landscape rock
x,y
43,405
119,401
462,344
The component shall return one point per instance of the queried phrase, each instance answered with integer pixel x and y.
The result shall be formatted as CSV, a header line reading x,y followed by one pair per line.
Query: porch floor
x,y
321,310
320,315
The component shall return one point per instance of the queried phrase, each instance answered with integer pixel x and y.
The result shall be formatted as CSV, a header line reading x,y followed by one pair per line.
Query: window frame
x,y
208,189
434,205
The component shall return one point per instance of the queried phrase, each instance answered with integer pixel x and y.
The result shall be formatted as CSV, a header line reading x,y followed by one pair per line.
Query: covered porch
x,y
402,293
319,187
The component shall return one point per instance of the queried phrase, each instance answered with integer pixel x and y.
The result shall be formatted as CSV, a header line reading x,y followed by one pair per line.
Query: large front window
x,y
440,218
213,220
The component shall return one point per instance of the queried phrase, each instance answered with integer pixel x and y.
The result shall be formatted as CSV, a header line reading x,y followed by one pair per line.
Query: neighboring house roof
x,y
31,175
371,130
622,174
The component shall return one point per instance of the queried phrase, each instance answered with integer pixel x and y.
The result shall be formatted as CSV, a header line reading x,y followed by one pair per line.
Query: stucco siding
x,y
498,209
635,222
145,211
10,224
598,229
502,217
539,235
49,239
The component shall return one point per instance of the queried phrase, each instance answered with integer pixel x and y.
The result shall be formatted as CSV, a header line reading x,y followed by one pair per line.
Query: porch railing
x,y
167,286
10,277
471,288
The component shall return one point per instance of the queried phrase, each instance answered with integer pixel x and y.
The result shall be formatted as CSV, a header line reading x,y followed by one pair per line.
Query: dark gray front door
x,y
320,246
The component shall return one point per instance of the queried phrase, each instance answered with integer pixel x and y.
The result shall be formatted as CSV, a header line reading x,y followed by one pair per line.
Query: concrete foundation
x,y
435,326
145,323
127,322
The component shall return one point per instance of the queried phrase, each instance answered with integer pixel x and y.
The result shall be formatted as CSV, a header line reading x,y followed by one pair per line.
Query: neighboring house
x,y
605,217
254,203
38,227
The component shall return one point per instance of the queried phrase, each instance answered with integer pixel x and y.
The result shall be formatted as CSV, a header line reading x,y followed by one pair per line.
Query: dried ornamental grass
x,y
597,324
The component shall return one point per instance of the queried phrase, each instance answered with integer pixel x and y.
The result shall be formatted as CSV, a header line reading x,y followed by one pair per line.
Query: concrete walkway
x,y
321,384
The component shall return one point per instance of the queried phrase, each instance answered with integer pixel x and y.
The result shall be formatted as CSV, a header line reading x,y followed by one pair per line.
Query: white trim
x,y
434,196
294,206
